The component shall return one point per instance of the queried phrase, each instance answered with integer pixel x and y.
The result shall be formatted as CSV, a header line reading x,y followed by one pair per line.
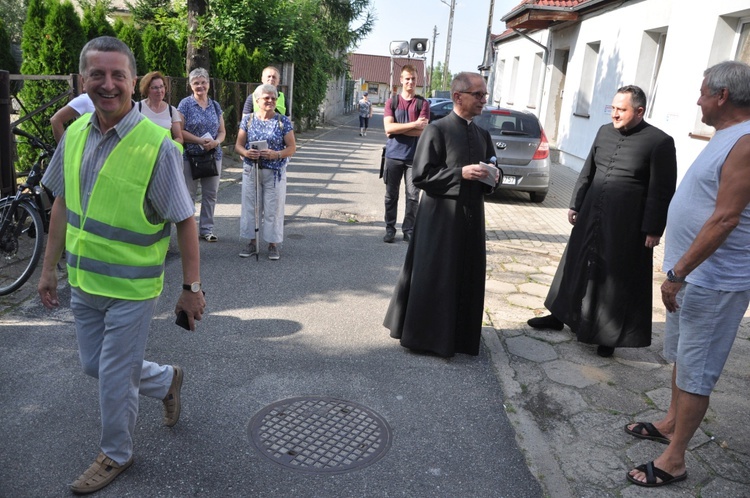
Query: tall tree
x,y
198,51
13,15
94,21
33,36
63,40
7,62
161,53
130,35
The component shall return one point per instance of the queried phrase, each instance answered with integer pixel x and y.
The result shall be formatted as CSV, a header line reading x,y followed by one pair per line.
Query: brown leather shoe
x,y
102,472
172,404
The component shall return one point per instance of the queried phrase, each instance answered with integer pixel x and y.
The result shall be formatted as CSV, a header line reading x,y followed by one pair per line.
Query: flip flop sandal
x,y
209,237
652,432
652,473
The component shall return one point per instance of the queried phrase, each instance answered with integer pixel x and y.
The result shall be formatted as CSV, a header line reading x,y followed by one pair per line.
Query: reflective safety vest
x,y
113,250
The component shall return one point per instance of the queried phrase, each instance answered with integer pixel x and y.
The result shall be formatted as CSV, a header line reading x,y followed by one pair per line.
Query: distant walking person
x,y
114,178
707,251
403,128
438,302
602,287
365,113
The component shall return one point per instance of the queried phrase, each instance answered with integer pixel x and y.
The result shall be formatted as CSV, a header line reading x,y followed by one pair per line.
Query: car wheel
x,y
537,196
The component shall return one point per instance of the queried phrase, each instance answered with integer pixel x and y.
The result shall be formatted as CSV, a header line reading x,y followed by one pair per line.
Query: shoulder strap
x,y
216,107
278,120
394,103
169,106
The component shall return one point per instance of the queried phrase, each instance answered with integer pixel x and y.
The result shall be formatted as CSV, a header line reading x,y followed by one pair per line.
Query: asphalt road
x,y
307,325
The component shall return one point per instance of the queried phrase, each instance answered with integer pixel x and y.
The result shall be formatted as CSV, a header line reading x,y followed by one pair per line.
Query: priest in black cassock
x,y
603,286
438,303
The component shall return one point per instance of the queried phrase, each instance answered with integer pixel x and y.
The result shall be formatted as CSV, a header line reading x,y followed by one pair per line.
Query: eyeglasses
x,y
156,87
478,95
269,99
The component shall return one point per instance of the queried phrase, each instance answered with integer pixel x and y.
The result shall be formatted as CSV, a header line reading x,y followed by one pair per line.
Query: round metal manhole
x,y
320,435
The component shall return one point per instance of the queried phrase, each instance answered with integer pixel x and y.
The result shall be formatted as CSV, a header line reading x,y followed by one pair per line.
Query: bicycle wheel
x,y
20,245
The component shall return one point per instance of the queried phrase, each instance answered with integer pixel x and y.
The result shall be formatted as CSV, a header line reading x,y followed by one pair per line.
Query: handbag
x,y
382,163
203,165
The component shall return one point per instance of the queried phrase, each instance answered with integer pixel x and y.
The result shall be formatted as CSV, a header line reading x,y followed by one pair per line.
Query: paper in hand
x,y
494,174
258,145
208,136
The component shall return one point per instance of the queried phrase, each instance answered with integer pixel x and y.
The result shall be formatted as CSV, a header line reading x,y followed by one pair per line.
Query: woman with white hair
x,y
203,134
265,141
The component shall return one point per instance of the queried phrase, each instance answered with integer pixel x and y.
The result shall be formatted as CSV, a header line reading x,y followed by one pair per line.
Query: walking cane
x,y
256,210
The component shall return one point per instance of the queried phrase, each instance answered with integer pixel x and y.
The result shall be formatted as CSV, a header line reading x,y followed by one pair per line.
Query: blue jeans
x,y
394,170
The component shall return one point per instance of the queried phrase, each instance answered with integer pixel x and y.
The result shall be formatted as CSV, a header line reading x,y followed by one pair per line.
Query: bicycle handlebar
x,y
34,141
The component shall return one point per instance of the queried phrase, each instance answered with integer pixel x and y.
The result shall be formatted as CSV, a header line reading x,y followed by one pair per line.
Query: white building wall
x,y
698,34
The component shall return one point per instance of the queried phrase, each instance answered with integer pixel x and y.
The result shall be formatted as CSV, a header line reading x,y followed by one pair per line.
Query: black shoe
x,y
389,238
605,351
546,322
407,237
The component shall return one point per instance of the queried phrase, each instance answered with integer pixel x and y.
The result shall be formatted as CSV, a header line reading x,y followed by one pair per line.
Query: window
x,y
499,75
742,52
649,64
513,78
536,71
731,41
588,75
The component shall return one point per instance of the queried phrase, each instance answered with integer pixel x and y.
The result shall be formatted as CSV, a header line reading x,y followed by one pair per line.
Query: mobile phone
x,y
182,320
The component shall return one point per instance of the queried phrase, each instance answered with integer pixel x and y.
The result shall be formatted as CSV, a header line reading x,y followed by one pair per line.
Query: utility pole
x,y
432,58
448,44
487,58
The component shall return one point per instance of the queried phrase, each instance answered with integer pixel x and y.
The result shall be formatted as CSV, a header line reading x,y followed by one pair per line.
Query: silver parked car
x,y
521,148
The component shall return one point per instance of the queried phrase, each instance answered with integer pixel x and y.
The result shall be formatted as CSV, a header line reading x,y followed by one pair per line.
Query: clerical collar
x,y
468,121
634,129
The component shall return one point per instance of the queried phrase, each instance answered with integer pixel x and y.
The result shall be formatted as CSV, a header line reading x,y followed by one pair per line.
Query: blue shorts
x,y
700,334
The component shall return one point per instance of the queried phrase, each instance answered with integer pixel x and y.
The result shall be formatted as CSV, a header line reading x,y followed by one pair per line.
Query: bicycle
x,y
24,219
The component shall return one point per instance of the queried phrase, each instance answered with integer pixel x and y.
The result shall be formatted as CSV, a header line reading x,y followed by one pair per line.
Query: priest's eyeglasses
x,y
478,95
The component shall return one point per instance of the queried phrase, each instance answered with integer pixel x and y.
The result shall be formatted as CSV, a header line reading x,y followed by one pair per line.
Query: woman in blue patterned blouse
x,y
276,131
203,132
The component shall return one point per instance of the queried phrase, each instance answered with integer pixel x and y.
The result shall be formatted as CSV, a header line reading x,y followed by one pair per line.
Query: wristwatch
x,y
672,277
194,287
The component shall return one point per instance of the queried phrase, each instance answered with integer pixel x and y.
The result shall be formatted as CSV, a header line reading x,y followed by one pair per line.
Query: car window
x,y
511,124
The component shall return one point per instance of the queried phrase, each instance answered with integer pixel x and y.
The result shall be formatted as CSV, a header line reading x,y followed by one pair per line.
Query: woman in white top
x,y
154,87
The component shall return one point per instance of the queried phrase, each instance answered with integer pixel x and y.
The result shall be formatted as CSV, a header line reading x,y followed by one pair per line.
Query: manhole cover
x,y
320,435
